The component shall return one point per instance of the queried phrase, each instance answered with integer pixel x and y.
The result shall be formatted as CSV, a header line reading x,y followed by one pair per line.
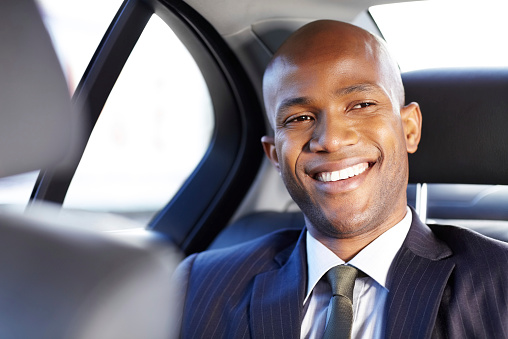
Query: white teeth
x,y
343,174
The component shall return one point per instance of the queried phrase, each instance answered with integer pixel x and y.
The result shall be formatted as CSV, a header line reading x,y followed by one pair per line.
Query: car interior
x,y
230,193
58,278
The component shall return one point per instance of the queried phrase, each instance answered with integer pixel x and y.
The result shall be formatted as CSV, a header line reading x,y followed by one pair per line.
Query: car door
x,y
210,150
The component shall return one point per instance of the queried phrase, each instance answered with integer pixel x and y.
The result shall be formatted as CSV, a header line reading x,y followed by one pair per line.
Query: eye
x,y
299,119
363,105
302,118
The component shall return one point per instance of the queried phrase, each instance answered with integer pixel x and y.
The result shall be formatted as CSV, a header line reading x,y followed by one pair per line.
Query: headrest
x,y
465,122
35,125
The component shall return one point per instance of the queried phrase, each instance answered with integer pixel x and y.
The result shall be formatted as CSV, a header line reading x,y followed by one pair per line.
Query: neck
x,y
348,247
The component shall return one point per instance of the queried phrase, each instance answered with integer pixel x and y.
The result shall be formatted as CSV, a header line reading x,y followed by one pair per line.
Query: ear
x,y
269,148
412,123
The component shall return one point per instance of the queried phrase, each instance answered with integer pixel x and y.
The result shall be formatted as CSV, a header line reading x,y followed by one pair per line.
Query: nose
x,y
332,132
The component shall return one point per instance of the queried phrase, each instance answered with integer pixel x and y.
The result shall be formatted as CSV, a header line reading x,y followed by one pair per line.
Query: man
x,y
335,100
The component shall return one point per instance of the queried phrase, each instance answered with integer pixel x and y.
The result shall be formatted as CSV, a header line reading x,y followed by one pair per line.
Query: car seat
x,y
58,280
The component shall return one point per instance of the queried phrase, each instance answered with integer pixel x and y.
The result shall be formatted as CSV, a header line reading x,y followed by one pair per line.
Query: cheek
x,y
394,151
288,150
290,168
390,135
288,162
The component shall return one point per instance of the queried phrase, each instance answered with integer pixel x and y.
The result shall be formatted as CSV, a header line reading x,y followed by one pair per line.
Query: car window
x,y
15,190
76,28
153,131
430,34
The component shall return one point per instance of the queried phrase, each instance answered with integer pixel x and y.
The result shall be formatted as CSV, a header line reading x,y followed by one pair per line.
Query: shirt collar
x,y
374,260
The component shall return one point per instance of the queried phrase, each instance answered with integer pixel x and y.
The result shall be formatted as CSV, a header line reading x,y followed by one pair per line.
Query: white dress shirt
x,y
369,295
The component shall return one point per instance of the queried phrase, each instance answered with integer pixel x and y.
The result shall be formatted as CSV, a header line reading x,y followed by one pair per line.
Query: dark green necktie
x,y
342,280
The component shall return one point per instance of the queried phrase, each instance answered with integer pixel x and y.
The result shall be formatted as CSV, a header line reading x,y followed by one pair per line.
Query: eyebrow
x,y
290,102
358,88
305,101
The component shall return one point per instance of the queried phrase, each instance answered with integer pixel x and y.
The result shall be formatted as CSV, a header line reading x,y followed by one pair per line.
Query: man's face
x,y
340,143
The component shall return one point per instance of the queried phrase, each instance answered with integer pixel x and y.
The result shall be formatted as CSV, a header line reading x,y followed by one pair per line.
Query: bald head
x,y
325,40
334,97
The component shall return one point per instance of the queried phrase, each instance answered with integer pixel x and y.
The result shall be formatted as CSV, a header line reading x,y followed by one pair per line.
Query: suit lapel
x,y
416,282
277,298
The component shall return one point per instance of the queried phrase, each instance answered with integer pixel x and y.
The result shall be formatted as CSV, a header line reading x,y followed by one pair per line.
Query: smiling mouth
x,y
343,174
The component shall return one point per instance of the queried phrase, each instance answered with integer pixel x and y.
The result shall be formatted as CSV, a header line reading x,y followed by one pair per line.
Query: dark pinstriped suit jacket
x,y
445,282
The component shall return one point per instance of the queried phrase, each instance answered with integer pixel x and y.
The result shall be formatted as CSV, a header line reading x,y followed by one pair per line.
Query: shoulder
x,y
254,256
475,295
207,276
257,252
462,239
473,248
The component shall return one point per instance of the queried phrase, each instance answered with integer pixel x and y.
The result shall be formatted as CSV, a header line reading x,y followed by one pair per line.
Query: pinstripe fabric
x,y
445,282
448,283
223,285
277,299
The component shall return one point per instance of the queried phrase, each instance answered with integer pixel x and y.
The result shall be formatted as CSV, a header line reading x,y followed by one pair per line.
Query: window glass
x,y
429,34
76,28
153,131
15,190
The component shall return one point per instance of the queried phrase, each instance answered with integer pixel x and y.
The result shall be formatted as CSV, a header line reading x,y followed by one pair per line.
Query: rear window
x,y
432,34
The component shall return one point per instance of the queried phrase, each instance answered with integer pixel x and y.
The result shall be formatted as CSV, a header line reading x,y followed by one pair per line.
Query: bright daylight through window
x,y
445,33
153,131
131,165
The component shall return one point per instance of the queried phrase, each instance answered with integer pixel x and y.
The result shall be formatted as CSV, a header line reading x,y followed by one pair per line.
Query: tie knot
x,y
342,280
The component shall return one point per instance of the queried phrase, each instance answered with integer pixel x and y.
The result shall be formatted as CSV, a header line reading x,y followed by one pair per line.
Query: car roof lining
x,y
232,16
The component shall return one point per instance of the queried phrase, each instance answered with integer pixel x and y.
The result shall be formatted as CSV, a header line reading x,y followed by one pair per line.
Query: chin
x,y
338,225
